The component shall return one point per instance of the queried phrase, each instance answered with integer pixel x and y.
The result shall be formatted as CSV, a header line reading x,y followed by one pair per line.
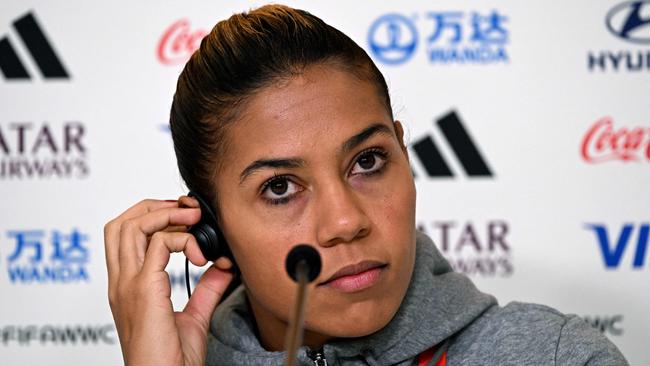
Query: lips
x,y
355,277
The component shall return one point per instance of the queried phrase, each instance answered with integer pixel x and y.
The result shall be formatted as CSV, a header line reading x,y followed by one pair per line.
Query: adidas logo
x,y
461,145
39,48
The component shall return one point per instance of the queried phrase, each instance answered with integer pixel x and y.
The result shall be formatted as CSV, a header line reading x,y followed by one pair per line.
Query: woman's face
x,y
317,159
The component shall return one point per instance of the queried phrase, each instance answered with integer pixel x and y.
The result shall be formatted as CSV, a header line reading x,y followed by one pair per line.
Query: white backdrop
x,y
530,82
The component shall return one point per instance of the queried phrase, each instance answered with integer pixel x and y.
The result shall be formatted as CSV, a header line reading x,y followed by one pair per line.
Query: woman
x,y
284,126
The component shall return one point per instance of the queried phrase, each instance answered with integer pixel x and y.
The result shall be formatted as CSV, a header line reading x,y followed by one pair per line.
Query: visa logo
x,y
614,246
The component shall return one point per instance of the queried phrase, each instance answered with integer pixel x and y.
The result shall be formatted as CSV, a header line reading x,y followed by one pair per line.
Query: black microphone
x,y
303,265
303,253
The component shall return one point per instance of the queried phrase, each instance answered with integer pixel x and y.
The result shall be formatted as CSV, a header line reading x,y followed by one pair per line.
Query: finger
x,y
163,244
207,295
223,263
134,233
173,229
147,205
177,228
187,201
112,231
111,247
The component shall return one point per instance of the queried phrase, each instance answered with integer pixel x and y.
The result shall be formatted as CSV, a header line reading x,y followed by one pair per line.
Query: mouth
x,y
356,277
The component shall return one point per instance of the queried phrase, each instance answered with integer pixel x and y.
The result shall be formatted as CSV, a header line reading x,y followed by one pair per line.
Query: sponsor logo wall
x,y
605,142
629,22
47,257
529,139
615,244
445,36
610,325
464,149
43,150
178,42
40,49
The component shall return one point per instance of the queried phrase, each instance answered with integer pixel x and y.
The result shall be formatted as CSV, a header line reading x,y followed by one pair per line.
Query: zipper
x,y
318,356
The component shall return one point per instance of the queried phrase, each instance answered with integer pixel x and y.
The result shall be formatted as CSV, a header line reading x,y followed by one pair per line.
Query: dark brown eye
x,y
366,161
280,190
279,186
369,162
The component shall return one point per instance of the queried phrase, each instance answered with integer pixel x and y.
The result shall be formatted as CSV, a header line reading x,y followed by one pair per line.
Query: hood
x,y
437,304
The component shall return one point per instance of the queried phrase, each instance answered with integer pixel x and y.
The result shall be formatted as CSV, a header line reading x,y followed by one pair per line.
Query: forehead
x,y
319,108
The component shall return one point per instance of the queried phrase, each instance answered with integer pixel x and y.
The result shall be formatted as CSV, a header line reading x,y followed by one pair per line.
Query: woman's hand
x,y
138,244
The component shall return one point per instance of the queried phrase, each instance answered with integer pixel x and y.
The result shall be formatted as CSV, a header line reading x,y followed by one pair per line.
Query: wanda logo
x,y
603,142
178,43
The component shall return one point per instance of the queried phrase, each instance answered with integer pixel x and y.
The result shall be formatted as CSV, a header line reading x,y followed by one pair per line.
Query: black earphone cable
x,y
231,287
187,278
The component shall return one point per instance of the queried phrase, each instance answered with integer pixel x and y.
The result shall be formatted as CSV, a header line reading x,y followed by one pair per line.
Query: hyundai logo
x,y
630,20
392,39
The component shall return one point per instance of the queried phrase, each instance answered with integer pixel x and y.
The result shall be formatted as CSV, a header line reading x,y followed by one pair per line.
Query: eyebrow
x,y
270,163
349,144
367,133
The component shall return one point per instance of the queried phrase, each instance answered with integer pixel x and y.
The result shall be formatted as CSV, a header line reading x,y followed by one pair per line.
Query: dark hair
x,y
241,55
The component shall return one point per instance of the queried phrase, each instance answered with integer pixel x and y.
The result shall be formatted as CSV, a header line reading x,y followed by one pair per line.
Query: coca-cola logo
x,y
603,142
178,43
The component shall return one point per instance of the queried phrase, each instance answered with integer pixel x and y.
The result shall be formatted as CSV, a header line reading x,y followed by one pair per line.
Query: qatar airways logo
x,y
43,150
178,42
605,142
476,249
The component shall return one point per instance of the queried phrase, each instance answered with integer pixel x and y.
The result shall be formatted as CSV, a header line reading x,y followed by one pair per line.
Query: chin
x,y
357,320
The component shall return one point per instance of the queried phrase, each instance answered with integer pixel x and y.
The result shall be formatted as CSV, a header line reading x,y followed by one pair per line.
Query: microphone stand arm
x,y
295,331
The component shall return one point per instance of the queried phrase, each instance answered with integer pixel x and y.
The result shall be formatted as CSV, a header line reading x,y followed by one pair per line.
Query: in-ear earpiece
x,y
212,243
207,233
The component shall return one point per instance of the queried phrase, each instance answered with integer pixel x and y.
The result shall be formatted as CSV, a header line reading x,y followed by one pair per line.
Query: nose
x,y
340,216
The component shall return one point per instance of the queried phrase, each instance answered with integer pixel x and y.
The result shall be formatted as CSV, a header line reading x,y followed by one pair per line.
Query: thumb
x,y
207,294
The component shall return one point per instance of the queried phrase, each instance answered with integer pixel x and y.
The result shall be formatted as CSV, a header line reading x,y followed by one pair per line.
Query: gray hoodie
x,y
440,306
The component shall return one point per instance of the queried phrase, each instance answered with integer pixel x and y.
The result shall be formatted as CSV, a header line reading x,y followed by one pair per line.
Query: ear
x,y
399,131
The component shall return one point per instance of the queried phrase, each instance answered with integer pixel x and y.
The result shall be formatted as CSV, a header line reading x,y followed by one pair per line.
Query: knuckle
x,y
109,227
187,240
145,202
158,236
128,225
148,204
157,241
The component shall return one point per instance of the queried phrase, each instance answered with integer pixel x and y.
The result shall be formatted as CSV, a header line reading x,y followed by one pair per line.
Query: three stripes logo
x,y
38,46
461,144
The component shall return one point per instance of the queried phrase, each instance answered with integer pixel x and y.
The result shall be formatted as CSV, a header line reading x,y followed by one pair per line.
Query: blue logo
x,y
393,38
450,37
53,257
625,21
613,249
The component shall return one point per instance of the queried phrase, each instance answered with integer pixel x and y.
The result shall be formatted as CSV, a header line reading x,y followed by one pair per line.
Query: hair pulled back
x,y
241,55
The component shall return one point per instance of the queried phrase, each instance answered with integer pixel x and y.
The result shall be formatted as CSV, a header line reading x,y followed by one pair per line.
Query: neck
x,y
272,329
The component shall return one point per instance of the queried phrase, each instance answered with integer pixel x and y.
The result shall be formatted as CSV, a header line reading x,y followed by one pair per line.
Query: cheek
x,y
394,218
260,254
392,203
